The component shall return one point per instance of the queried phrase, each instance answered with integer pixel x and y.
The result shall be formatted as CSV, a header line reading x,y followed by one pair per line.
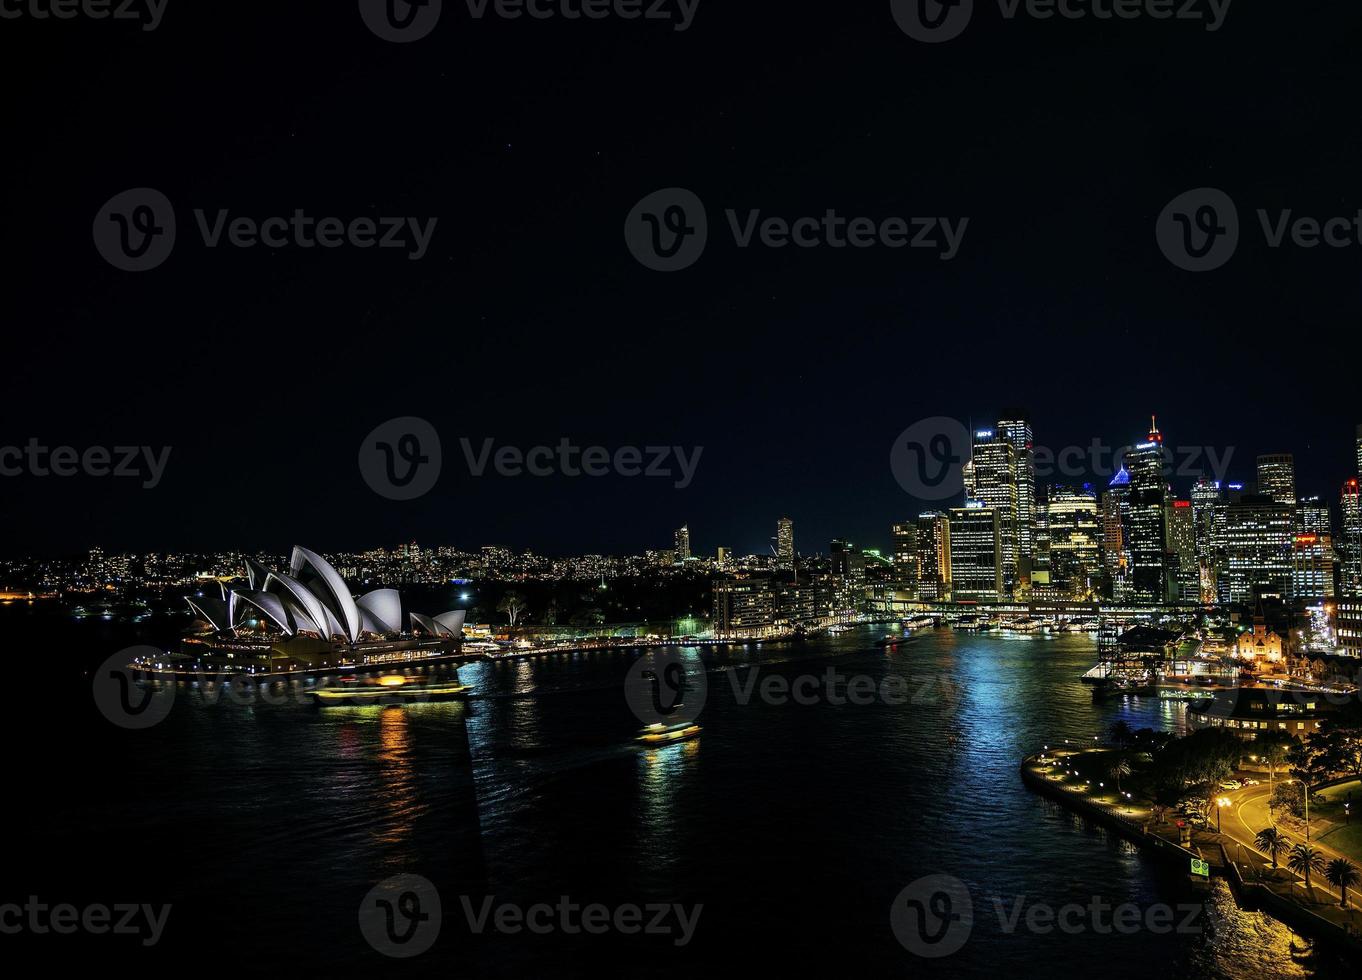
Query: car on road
x,y
1252,782
1231,784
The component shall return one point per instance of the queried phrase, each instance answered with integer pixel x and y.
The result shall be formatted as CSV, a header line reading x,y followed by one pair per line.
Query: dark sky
x,y
529,321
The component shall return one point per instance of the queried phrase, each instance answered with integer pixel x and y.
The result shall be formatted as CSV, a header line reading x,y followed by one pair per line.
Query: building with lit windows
x,y
785,542
1185,570
934,556
1313,516
990,478
1277,478
1350,626
1253,711
1016,431
1115,518
1312,566
1074,532
1208,504
1146,529
1258,543
906,571
1350,502
976,556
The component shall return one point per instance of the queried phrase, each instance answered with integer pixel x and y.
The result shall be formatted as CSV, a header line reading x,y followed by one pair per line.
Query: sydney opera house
x,y
308,618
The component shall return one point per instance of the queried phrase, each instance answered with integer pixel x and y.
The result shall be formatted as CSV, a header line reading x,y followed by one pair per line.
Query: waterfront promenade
x,y
1078,779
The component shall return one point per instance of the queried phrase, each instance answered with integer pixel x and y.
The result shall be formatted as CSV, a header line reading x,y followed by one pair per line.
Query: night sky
x,y
529,321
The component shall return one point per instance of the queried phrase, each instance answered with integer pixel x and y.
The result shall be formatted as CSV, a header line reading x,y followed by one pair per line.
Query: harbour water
x,y
794,825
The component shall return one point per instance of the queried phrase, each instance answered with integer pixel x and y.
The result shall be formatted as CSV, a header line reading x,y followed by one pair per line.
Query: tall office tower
x,y
1208,505
1015,430
1277,478
934,556
1313,516
1351,551
1115,518
1040,538
1312,566
683,543
991,479
906,570
1258,541
1076,537
785,541
1147,531
976,553
1182,546
1359,449
848,566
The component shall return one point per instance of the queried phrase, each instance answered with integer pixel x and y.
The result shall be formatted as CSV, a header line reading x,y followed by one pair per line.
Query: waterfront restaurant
x,y
1249,711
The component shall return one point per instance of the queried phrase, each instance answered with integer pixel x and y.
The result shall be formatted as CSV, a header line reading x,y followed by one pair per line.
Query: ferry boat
x,y
663,733
390,688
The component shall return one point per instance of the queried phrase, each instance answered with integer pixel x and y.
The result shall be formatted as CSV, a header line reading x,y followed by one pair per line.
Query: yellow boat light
x,y
392,680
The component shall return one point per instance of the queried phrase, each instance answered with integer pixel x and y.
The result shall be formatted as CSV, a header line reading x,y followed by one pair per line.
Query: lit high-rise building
x,y
934,556
683,543
1313,516
1312,566
1075,539
1147,530
1277,478
1182,546
1258,542
1359,450
1115,519
1208,507
991,479
848,568
785,541
976,542
1015,430
906,570
1350,502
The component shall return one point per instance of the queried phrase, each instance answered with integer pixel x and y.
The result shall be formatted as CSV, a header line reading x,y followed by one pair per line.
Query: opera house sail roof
x,y
312,600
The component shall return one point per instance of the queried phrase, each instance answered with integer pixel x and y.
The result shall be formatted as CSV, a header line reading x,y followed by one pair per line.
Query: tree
x,y
1342,874
513,604
1303,859
1121,768
1274,746
1273,841
1121,734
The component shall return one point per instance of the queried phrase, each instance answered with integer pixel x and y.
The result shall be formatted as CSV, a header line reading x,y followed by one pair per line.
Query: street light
x,y
1220,804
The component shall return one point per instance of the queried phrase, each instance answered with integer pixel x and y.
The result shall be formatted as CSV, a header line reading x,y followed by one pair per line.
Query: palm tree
x,y
1273,841
1121,768
1303,859
1342,874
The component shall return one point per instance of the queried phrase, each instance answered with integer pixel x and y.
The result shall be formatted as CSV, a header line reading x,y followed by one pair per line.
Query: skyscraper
x,y
1277,478
1208,505
976,553
1359,449
991,479
1147,529
1258,542
1351,503
683,543
1312,566
1115,518
1015,430
905,555
1075,536
785,541
1182,546
1313,516
934,556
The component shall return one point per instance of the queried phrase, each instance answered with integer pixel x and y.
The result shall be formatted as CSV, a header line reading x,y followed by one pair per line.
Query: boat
x,y
390,688
663,733
893,640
